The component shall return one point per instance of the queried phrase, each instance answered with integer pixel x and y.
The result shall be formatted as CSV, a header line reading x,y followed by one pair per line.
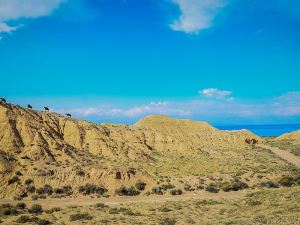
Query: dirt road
x,y
284,154
83,201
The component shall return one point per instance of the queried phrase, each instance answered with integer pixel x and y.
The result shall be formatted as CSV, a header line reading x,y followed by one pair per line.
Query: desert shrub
x,y
140,185
167,221
47,189
42,222
176,191
297,179
127,191
55,209
34,197
286,181
58,191
9,211
80,173
269,184
5,206
13,180
21,205
100,205
212,188
124,211
67,190
30,189
233,186
157,190
87,189
17,198
42,196
18,173
101,190
167,186
164,209
187,187
92,189
36,209
23,219
80,216
28,181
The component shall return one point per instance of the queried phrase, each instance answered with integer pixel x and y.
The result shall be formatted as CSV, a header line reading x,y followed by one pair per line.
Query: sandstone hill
x,y
293,136
48,148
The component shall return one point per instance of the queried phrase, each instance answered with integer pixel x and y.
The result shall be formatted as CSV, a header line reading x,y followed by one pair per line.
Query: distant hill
x,y
293,136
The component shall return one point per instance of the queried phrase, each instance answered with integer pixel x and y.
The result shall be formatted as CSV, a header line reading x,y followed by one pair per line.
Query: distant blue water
x,y
264,130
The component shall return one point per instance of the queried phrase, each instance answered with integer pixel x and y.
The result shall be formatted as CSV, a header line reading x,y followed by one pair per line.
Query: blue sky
x,y
224,61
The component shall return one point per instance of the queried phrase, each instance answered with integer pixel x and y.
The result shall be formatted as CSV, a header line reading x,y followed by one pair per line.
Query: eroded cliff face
x,y
56,150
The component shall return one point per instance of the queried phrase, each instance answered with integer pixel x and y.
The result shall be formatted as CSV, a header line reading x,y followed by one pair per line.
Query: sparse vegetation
x,y
286,181
167,221
233,186
80,216
21,205
89,189
13,180
127,191
176,191
23,219
212,188
28,181
46,189
269,184
36,209
140,185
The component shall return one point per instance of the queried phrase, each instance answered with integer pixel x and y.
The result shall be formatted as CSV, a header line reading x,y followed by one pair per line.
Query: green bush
x,y
286,181
127,191
140,185
36,209
80,216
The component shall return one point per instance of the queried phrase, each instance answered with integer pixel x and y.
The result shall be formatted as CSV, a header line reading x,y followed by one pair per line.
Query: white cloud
x,y
16,9
6,29
284,108
196,15
215,93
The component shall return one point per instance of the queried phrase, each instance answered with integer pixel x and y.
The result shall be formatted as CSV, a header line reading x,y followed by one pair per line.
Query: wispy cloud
x,y
215,93
284,108
196,15
11,10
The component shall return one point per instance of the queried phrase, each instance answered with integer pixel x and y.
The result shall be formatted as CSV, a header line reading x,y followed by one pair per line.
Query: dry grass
x,y
280,206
